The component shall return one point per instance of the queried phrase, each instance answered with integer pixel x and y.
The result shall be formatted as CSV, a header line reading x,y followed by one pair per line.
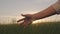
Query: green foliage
x,y
40,28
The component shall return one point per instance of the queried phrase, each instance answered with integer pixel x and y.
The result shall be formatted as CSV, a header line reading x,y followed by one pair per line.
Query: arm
x,y
45,13
53,9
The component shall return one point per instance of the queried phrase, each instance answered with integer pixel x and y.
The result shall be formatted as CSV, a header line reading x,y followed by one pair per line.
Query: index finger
x,y
20,20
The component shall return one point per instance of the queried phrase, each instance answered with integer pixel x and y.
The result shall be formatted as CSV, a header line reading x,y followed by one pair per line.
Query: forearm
x,y
45,13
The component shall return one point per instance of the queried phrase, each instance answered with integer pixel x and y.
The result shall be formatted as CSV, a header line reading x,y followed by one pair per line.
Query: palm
x,y
26,21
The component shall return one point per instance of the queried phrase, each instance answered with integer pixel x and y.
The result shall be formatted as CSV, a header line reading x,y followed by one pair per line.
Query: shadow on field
x,y
40,28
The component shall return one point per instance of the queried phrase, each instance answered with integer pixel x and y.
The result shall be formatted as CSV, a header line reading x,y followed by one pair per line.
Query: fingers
x,y
20,20
23,15
26,22
26,15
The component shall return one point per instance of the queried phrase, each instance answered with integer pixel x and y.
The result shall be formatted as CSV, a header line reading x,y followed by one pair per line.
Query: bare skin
x,y
43,14
27,20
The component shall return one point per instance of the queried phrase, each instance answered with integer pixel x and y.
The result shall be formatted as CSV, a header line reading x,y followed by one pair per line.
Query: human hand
x,y
27,20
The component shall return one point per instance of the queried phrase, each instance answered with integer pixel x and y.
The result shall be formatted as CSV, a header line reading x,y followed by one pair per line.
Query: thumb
x,y
23,15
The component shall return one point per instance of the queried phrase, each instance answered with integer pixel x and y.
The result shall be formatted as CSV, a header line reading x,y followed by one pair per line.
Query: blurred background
x,y
11,10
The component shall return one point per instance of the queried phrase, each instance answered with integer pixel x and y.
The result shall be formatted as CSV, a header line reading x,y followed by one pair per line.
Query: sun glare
x,y
37,21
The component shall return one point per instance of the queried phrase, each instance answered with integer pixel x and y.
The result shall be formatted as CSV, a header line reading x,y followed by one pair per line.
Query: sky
x,y
17,7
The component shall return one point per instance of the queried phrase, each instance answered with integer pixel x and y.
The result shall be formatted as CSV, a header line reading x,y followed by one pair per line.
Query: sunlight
x,y
37,21
40,21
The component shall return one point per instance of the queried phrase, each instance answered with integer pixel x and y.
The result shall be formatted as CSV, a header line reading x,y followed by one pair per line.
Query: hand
x,y
27,20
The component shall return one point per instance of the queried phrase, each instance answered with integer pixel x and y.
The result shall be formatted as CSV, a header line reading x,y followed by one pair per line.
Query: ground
x,y
40,28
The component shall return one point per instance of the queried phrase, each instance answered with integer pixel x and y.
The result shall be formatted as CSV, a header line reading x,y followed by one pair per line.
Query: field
x,y
40,28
